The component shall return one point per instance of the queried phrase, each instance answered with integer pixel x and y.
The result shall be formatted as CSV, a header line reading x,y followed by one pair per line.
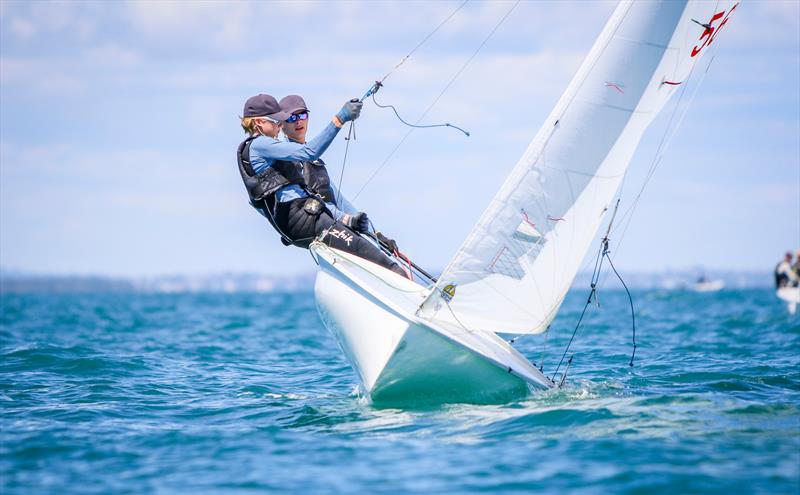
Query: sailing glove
x,y
389,243
350,111
357,221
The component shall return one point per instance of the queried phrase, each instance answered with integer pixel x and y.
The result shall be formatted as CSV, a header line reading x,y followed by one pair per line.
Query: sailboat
x,y
705,285
439,341
789,295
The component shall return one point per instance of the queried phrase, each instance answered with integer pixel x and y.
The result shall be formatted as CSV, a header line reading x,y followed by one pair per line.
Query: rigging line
x,y
436,100
594,281
350,133
518,178
598,266
423,41
447,303
378,84
627,217
666,140
630,300
544,349
603,253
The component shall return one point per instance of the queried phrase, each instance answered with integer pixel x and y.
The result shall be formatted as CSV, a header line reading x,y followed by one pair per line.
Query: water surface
x,y
248,393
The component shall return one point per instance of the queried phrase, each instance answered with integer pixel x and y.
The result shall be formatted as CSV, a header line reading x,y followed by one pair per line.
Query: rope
x,y
436,100
446,124
541,154
379,84
663,145
403,257
426,38
630,300
447,303
544,349
627,216
598,266
595,275
350,133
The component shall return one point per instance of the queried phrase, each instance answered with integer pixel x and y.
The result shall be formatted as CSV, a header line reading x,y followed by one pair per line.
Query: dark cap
x,y
293,104
264,106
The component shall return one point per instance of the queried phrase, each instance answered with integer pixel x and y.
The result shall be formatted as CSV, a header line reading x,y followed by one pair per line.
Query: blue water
x,y
248,393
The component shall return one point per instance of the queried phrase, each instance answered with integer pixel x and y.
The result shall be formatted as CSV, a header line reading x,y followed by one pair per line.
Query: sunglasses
x,y
271,121
298,116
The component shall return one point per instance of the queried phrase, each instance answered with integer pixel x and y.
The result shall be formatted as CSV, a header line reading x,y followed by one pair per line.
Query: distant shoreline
x,y
252,282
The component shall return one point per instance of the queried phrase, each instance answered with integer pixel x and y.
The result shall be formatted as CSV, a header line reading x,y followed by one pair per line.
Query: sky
x,y
119,125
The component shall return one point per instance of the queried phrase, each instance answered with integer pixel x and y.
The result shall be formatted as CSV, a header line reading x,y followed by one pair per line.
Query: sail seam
x,y
644,43
584,174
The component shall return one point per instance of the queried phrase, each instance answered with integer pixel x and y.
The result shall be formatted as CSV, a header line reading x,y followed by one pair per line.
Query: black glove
x,y
357,221
389,243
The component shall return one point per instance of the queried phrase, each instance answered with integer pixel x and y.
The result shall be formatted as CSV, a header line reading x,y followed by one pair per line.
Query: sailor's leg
x,y
342,238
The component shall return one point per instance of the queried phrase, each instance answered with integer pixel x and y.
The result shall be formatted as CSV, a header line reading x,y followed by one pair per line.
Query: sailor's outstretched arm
x,y
291,151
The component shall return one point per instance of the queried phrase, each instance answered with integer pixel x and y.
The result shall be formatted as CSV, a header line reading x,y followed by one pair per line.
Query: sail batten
x,y
516,265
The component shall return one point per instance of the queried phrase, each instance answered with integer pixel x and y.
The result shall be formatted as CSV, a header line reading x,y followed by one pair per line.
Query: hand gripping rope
x,y
379,84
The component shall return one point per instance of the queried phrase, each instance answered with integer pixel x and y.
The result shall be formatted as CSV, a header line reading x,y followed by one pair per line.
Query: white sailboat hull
x,y
710,286
401,358
791,295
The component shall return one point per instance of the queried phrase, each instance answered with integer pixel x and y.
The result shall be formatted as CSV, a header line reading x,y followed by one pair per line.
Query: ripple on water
x,y
243,393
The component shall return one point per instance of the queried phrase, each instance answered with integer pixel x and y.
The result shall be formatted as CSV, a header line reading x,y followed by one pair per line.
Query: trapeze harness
x,y
301,220
312,177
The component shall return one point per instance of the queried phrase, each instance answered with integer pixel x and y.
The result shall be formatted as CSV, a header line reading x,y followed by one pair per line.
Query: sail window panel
x,y
527,303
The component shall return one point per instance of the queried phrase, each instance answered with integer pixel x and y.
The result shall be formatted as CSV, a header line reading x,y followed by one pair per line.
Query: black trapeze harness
x,y
261,187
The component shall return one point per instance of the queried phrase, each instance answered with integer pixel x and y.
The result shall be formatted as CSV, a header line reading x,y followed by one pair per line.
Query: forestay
x,y
515,267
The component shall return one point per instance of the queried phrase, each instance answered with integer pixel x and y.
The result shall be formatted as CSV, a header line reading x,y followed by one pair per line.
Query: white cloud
x,y
184,69
16,70
69,20
221,25
111,55
778,194
22,28
764,26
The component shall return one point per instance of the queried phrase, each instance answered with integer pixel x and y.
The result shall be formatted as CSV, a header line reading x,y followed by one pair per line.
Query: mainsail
x,y
514,268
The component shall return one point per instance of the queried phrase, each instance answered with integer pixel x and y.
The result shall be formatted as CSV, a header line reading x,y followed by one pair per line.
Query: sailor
x,y
796,268
784,274
315,173
272,172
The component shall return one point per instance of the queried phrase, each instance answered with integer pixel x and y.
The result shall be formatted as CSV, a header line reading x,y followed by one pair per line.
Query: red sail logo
x,y
711,31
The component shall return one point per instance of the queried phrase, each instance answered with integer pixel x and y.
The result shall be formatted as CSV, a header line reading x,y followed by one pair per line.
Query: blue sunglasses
x,y
298,116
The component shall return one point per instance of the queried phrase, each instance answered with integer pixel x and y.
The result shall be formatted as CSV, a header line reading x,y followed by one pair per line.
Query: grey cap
x,y
293,104
264,106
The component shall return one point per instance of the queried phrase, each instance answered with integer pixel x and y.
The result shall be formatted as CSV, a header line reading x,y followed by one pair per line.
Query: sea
x,y
248,393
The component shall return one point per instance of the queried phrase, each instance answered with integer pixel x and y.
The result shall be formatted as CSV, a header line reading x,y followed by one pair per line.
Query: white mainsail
x,y
514,268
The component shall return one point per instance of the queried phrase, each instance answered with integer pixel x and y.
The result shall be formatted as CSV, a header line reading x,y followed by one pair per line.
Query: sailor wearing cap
x,y
274,175
314,171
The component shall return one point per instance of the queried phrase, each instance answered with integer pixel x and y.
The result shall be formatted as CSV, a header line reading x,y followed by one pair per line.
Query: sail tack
x,y
514,268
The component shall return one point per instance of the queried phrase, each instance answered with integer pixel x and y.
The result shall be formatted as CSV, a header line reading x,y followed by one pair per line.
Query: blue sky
x,y
118,126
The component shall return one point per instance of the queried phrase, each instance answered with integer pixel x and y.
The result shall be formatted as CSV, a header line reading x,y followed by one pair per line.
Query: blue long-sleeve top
x,y
265,151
